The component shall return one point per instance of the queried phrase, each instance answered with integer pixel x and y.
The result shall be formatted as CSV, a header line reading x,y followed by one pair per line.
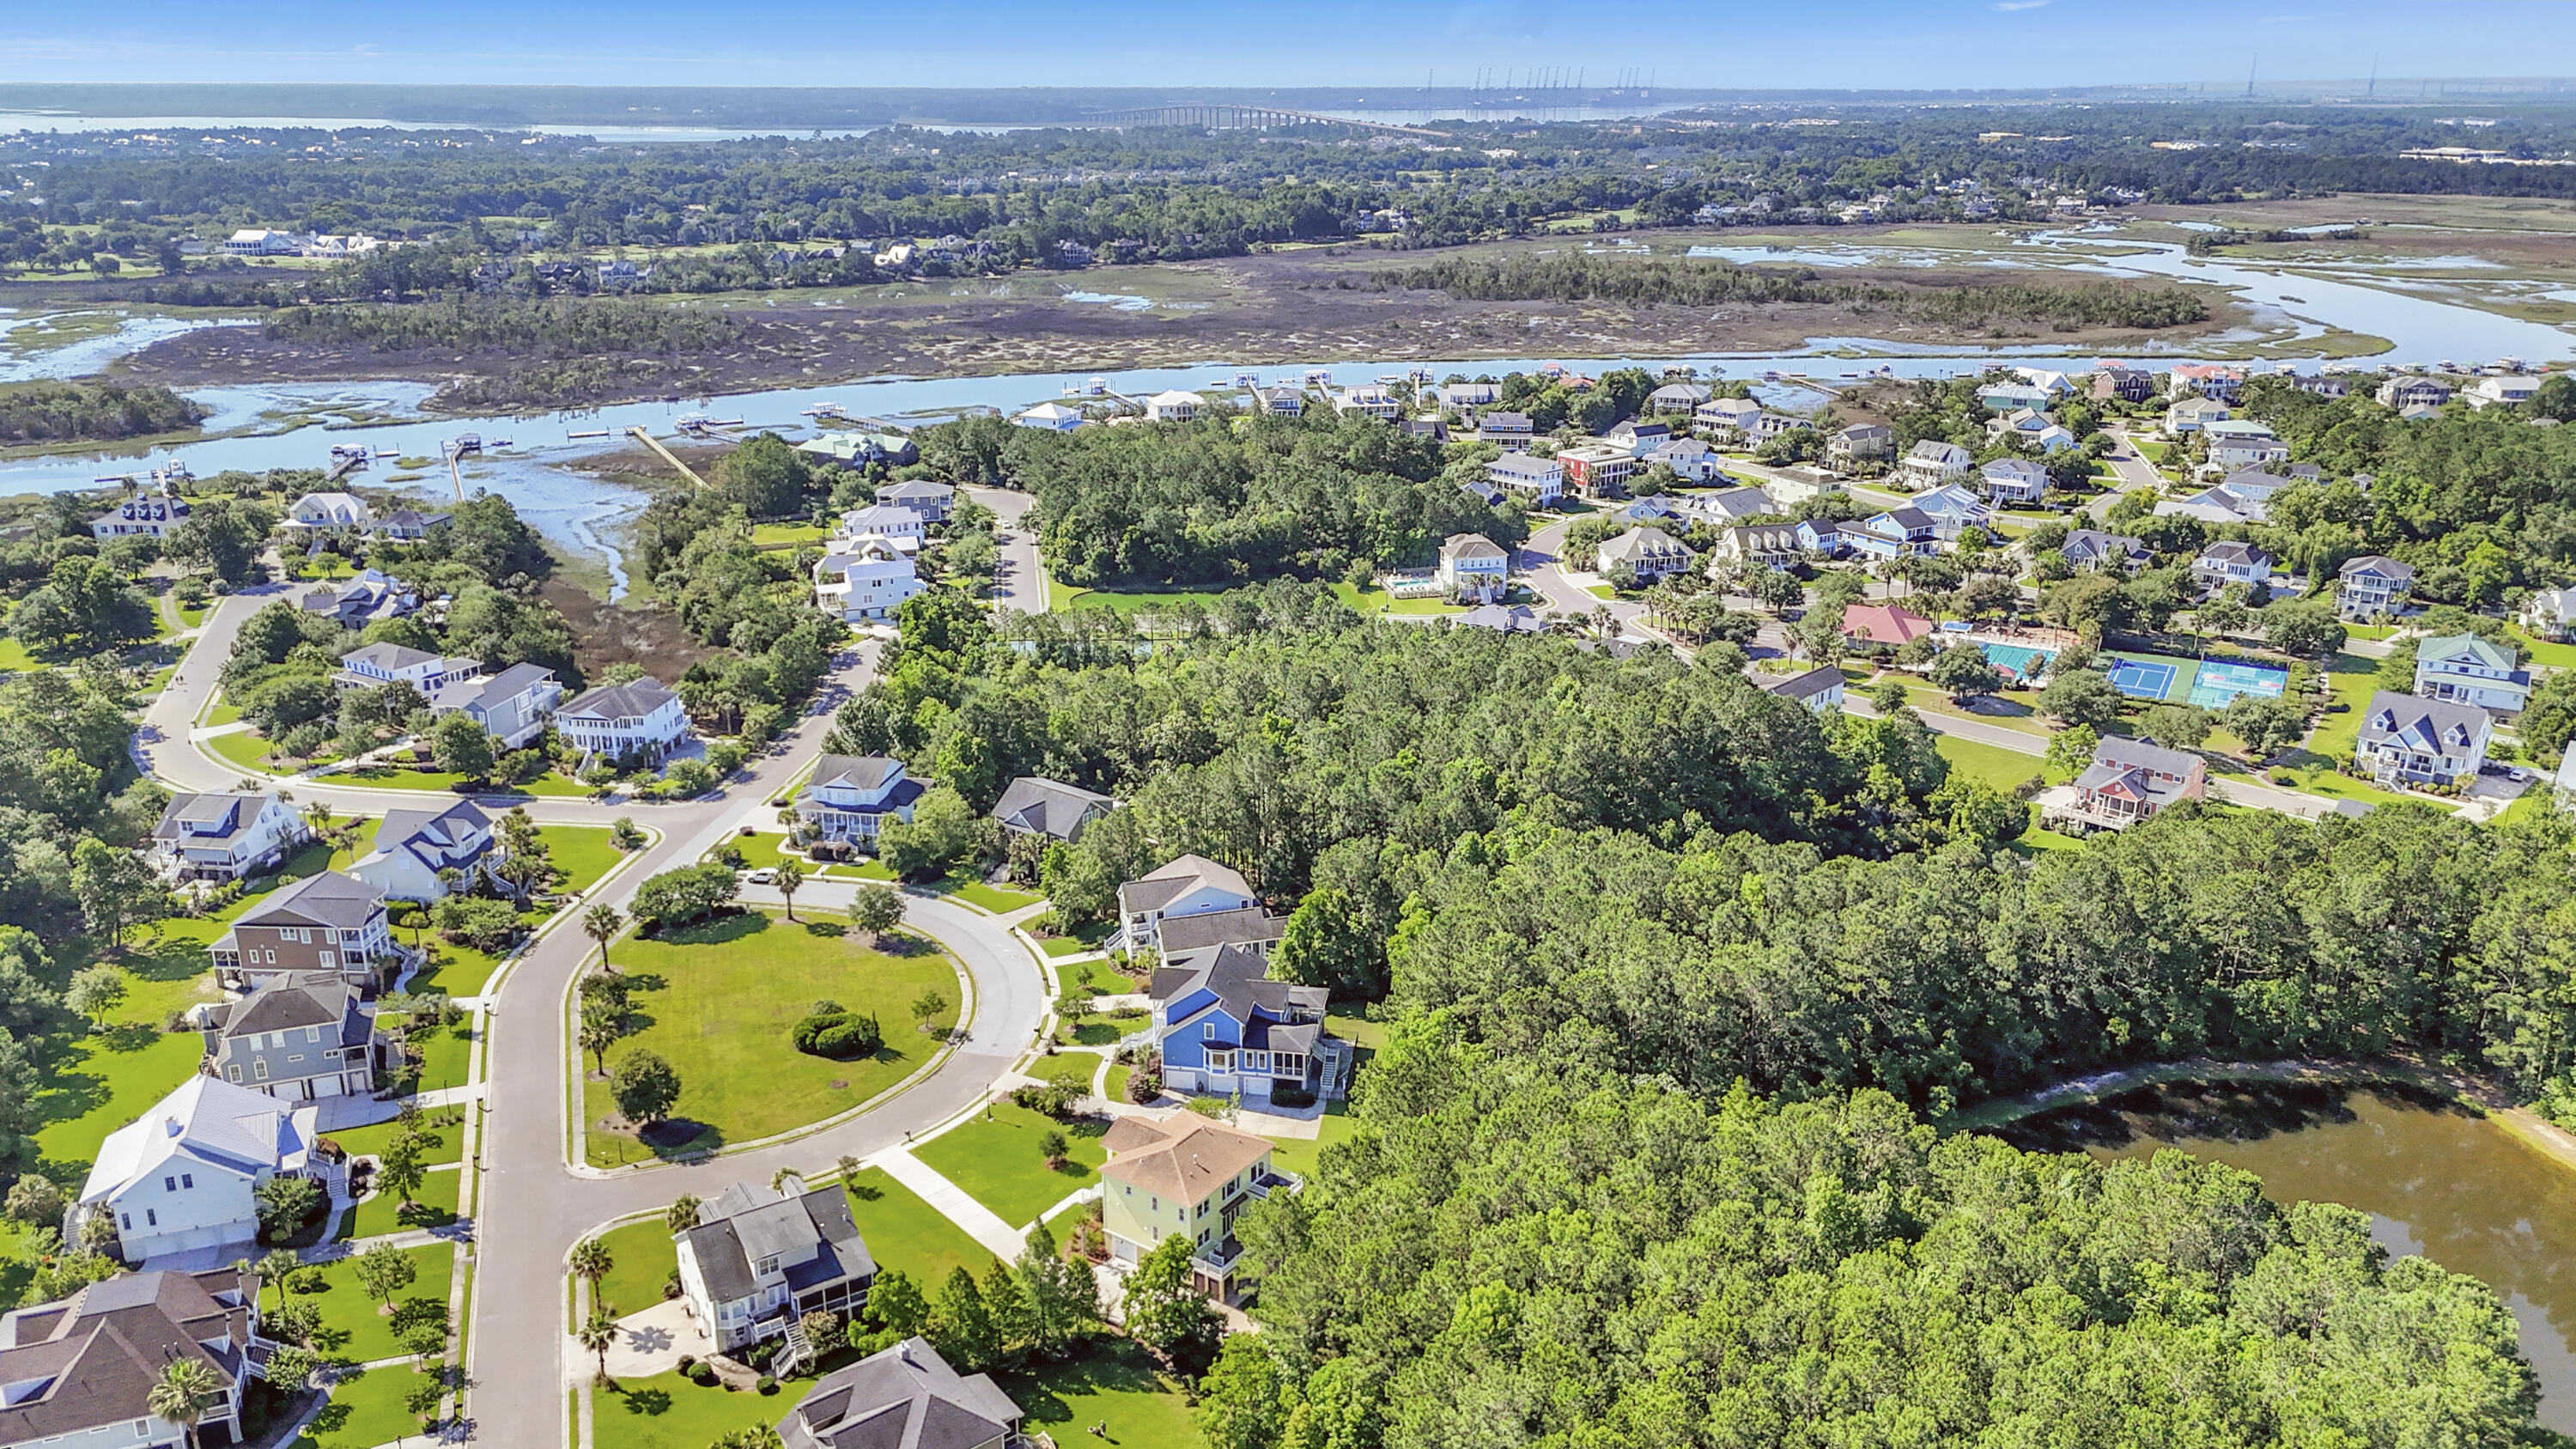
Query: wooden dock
x,y
654,443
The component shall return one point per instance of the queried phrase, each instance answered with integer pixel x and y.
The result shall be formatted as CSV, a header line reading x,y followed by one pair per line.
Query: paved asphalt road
x,y
517,1361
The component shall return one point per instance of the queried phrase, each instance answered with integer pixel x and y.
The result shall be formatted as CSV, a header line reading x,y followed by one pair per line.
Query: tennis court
x,y
2142,679
2017,661
2219,682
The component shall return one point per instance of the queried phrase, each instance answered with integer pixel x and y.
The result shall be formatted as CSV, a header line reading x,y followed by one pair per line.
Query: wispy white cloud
x,y
2019,4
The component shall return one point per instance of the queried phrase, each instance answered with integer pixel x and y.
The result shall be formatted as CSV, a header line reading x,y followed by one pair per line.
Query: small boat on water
x,y
464,443
591,433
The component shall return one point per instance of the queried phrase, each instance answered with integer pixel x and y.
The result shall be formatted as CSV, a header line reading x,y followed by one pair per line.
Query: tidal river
x,y
2435,1178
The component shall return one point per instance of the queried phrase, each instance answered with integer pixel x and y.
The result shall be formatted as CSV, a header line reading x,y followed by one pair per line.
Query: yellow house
x,y
1184,1174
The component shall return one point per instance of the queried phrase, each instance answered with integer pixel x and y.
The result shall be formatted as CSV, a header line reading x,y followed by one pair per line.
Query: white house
x,y
1953,510
223,837
1053,417
260,241
1930,463
179,1179
80,1373
2088,549
1191,885
2372,586
1859,443
2408,392
1689,457
2406,738
2014,480
640,720
1772,545
330,513
512,706
2466,669
413,846
1539,479
2549,613
1649,552
2231,562
371,597
864,581
2193,414
1736,413
1726,507
371,665
1369,401
1677,397
760,1259
1473,566
851,797
140,518
904,528
1819,689
1172,406
2489,392
1470,395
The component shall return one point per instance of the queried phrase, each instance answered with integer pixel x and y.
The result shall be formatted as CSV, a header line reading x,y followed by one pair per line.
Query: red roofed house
x,y
1884,624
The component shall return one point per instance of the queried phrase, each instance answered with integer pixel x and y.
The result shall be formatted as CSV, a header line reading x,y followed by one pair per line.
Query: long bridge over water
x,y
1215,116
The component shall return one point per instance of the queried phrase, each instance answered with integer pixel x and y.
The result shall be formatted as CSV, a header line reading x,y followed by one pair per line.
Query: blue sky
x,y
1864,43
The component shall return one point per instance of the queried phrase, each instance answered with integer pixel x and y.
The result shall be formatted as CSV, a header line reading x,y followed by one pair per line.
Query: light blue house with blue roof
x,y
1224,1027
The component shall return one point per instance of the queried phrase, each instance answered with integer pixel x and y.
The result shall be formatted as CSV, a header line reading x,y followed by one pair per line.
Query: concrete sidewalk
x,y
979,1222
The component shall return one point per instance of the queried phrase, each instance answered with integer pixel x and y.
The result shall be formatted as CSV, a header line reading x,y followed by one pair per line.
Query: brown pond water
x,y
2435,1178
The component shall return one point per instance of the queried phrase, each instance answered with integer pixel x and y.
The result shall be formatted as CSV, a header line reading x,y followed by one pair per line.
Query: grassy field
x,y
1298,1154
1061,597
582,852
353,1326
243,748
2556,656
1000,900
1378,601
667,1411
1112,1383
434,1206
906,1233
1074,1069
107,1078
995,1159
768,535
366,1409
371,1140
641,1257
2004,769
457,970
17,1258
716,1001
388,777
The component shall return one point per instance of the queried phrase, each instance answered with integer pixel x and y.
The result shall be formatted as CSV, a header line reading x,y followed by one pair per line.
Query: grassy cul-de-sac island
x,y
718,999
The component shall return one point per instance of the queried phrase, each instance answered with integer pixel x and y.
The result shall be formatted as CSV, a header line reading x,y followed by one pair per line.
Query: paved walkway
x,y
981,1223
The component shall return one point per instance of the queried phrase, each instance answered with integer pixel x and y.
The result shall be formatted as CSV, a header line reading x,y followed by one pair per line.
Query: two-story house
x,y
2410,392
2130,780
79,1373
1822,538
2236,446
295,1038
1953,509
1724,414
1860,443
179,1178
1473,568
1725,507
1767,425
2231,562
1223,1027
224,837
2204,379
2012,397
851,797
2128,384
1540,480
1282,401
1897,533
932,501
637,722
1690,459
2014,481
329,513
140,518
1677,397
1819,689
1772,545
415,847
898,525
1188,885
1173,406
2466,669
2372,586
2193,414
2551,613
760,1259
1189,1176
370,666
1931,463
1369,401
1647,552
1596,469
2089,549
865,581
1031,805
903,1397
1511,431
409,525
2404,737
330,922
1639,438
512,706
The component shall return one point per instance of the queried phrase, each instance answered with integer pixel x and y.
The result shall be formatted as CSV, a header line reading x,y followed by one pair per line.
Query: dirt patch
x,y
633,630
1263,310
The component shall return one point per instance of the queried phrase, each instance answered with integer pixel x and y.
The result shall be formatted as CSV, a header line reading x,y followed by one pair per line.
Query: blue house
x,y
1822,536
1224,1027
1894,534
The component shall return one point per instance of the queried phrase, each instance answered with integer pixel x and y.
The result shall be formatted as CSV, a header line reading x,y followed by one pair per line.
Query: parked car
x,y
766,875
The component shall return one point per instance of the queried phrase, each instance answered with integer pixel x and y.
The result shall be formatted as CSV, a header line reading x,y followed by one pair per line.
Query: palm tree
x,y
183,1393
599,1031
318,815
598,1333
601,923
275,1267
590,1259
790,876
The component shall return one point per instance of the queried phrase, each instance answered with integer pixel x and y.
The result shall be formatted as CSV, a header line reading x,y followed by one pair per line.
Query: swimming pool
x,y
2018,661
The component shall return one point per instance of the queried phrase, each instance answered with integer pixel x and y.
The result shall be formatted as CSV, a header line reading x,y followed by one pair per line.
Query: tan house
x,y
1188,1175
332,922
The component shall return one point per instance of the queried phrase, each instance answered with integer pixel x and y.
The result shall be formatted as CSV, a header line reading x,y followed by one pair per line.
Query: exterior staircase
x,y
799,1349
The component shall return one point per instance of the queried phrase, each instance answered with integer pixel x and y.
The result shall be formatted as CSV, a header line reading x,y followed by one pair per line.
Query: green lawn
x,y
244,748
904,1232
14,656
717,1000
446,1055
667,1411
1112,1382
17,1258
1358,1030
102,1080
2556,656
1298,1154
1099,1028
1072,1068
641,1257
1116,1082
456,970
1061,597
388,777
765,534
434,1206
2540,799
1378,601
1059,947
221,712
366,1409
354,1328
582,852
371,1140
995,1159
2004,769
1000,900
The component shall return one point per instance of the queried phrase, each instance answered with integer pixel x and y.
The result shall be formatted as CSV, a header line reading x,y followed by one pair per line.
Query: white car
x,y
764,876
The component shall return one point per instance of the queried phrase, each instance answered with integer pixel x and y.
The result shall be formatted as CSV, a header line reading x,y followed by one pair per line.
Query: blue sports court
x,y
2139,679
2219,682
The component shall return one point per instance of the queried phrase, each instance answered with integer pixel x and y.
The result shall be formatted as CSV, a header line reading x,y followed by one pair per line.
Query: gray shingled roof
x,y
328,899
906,1397
1049,807
633,700
747,1222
